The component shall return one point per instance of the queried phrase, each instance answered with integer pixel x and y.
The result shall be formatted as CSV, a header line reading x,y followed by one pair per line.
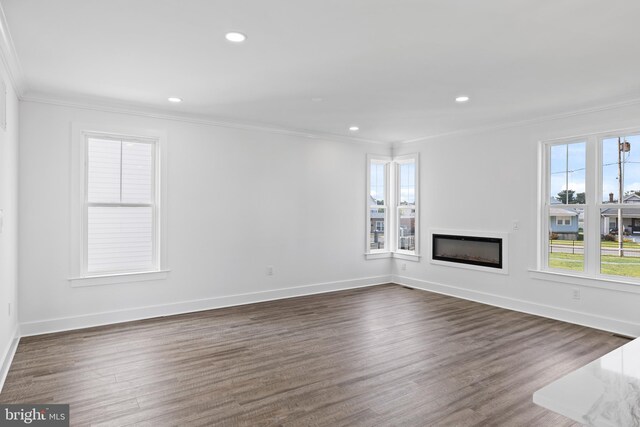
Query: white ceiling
x,y
393,67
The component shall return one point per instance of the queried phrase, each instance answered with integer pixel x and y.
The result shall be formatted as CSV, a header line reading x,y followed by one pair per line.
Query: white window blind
x,y
120,206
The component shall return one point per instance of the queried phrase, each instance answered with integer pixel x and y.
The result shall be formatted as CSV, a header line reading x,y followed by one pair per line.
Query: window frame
x,y
153,204
79,204
409,158
544,223
591,210
371,158
392,208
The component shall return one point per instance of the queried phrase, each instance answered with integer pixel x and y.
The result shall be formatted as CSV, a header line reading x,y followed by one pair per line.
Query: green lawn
x,y
611,264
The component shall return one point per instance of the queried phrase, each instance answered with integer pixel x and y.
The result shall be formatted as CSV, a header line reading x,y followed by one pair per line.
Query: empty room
x,y
319,213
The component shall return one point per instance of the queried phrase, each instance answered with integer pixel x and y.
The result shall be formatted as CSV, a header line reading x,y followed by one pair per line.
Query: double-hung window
x,y
117,205
120,205
377,203
591,206
392,206
406,195
565,205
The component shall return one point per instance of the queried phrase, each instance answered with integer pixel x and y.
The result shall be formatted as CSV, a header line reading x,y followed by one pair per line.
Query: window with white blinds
x,y
120,206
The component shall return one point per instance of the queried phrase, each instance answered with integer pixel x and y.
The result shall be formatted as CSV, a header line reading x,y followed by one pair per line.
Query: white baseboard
x,y
106,318
579,318
7,357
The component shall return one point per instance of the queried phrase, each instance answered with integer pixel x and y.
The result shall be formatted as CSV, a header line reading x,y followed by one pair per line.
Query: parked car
x,y
614,231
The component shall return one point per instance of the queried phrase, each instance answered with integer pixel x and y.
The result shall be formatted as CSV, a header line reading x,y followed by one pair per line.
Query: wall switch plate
x,y
515,225
1,220
269,270
9,309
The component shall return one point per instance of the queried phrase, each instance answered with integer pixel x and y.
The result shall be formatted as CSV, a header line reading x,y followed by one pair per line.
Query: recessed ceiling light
x,y
235,37
354,128
462,99
175,99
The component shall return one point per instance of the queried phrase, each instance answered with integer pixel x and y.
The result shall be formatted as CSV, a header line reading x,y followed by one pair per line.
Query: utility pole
x,y
623,147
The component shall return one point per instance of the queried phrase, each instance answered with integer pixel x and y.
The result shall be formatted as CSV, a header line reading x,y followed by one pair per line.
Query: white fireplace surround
x,y
469,233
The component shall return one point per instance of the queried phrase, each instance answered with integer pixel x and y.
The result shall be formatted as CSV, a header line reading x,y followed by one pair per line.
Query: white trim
x,y
405,256
576,317
79,133
386,161
397,161
591,209
111,279
522,123
7,357
10,58
609,283
107,107
378,255
492,234
126,315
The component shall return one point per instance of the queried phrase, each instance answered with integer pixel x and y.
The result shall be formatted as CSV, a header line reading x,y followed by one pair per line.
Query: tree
x,y
574,198
567,197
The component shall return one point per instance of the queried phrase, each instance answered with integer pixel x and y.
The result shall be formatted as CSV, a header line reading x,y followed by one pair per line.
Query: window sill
x,y
377,255
112,279
407,257
608,283
380,255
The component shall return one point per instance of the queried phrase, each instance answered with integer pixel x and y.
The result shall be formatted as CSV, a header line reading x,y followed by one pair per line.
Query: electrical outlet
x,y
515,225
575,294
403,266
269,270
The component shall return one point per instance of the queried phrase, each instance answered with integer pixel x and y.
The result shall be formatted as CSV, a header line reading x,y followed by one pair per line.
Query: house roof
x,y
626,213
562,212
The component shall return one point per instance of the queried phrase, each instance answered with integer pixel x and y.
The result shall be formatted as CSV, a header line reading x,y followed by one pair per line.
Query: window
x,y
591,218
377,203
120,205
395,181
116,204
406,195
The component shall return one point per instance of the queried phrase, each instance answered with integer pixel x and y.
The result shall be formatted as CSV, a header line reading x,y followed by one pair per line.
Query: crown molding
x,y
521,123
9,57
99,105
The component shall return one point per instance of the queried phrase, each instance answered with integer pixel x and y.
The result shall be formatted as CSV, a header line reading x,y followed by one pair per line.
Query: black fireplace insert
x,y
482,251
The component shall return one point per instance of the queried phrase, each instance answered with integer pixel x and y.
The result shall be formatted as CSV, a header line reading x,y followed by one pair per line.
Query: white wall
x,y
238,200
483,181
9,235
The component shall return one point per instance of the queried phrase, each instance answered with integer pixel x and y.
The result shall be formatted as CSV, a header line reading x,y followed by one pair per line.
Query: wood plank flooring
x,y
384,355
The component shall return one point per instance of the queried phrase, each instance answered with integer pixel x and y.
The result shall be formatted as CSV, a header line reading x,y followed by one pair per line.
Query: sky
x,y
575,172
407,182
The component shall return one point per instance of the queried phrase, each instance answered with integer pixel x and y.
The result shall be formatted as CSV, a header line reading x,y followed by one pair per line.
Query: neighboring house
x,y
377,218
630,217
376,226
564,223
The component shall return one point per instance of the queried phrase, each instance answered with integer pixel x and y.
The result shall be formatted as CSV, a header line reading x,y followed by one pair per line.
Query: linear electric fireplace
x,y
471,250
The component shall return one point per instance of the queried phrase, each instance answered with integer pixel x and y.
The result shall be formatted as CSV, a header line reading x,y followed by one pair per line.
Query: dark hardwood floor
x,y
384,355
